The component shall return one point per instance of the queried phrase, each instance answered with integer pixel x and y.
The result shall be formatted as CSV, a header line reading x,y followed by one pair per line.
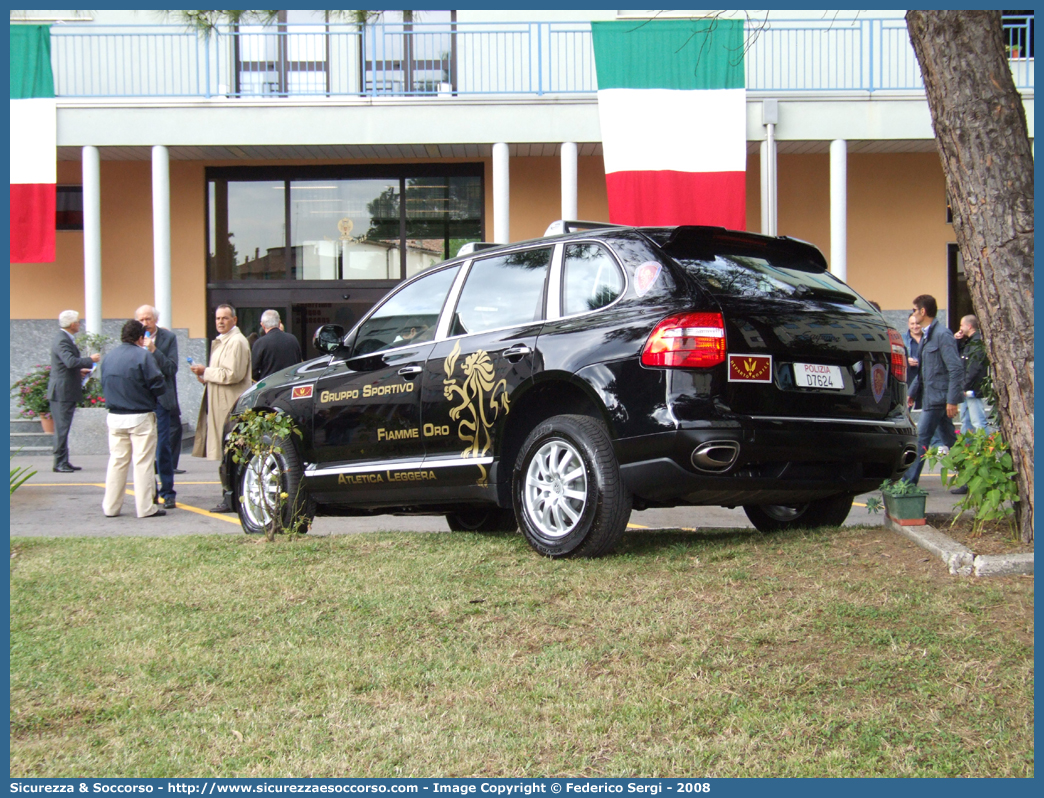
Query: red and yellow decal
x,y
878,381
750,368
302,392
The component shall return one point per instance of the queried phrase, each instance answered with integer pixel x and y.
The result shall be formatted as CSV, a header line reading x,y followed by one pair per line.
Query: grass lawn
x,y
844,652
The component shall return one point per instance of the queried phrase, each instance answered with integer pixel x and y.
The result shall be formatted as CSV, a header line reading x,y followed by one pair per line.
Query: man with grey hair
x,y
225,379
65,385
275,349
163,345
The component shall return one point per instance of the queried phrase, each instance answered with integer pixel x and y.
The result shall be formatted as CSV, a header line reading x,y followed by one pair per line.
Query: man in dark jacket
x,y
132,383
275,350
164,347
939,385
65,385
973,355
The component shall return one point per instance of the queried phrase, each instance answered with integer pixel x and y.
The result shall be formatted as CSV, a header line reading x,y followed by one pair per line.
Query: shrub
x,y
981,461
31,393
92,395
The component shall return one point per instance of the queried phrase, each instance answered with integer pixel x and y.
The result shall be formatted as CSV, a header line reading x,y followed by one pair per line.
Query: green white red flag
x,y
673,112
34,139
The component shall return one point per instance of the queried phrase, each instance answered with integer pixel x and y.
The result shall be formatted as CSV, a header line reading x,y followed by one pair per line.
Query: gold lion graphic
x,y
481,402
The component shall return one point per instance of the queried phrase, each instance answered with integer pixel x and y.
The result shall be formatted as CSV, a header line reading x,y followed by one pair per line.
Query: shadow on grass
x,y
637,542
682,541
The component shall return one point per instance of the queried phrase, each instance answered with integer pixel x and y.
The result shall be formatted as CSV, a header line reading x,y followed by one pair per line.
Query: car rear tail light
x,y
898,355
689,341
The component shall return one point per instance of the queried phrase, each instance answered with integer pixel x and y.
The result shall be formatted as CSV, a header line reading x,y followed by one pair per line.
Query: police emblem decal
x,y
878,381
301,392
644,277
750,368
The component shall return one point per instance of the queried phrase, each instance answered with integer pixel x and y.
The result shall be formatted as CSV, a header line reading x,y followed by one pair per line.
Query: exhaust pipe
x,y
715,455
909,457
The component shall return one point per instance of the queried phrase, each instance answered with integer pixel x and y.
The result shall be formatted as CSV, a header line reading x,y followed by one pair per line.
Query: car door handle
x,y
516,353
409,372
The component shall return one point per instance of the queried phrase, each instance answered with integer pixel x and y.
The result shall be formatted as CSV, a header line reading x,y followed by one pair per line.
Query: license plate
x,y
814,375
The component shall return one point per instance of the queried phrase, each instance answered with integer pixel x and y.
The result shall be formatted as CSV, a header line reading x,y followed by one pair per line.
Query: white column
x,y
569,192
839,209
161,233
773,192
765,206
769,200
92,280
501,195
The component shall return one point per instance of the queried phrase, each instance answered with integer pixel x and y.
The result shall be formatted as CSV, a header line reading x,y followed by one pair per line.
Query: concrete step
x,y
25,425
27,450
28,437
38,439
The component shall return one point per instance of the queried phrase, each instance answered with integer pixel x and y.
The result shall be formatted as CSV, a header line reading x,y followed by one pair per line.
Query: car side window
x,y
503,291
410,316
591,279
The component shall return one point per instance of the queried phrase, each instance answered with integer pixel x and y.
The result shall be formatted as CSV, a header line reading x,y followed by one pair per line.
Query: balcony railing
x,y
462,59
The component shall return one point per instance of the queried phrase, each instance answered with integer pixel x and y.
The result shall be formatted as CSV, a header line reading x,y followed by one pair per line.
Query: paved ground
x,y
61,505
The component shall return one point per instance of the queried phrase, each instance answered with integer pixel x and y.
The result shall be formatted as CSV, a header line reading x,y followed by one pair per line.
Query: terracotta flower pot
x,y
48,424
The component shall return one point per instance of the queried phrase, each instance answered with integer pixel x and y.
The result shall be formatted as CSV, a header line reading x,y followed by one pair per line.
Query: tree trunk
x,y
980,129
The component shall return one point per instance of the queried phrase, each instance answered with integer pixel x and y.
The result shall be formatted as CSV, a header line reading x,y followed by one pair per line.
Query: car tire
x,y
569,498
281,473
831,511
482,519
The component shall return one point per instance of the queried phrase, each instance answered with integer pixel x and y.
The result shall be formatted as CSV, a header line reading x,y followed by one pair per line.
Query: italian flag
x,y
34,138
673,112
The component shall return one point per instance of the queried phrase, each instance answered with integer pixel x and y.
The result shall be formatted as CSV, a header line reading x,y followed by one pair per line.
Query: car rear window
x,y
591,279
768,277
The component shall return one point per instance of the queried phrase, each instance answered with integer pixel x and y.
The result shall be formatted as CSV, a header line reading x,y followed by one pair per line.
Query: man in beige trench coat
x,y
227,376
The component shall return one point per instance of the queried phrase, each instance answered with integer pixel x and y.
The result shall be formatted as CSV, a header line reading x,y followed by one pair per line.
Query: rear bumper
x,y
765,460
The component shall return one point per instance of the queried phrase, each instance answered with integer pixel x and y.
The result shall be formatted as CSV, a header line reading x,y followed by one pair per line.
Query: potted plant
x,y
31,393
904,502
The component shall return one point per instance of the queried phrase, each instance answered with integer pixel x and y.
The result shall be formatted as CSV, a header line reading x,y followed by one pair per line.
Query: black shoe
x,y
222,508
64,468
74,468
158,512
179,471
963,489
170,504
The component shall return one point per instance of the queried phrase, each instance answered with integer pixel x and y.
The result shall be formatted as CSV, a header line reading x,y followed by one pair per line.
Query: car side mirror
x,y
329,338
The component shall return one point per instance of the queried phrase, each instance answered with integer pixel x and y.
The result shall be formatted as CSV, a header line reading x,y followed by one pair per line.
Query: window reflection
x,y
345,229
247,236
338,228
503,291
442,215
409,317
592,279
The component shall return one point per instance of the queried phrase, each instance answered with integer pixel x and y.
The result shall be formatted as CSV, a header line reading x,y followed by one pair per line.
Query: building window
x,y
339,223
69,208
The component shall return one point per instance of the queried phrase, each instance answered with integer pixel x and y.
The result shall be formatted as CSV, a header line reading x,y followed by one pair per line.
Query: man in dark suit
x,y
164,347
275,349
65,385
939,384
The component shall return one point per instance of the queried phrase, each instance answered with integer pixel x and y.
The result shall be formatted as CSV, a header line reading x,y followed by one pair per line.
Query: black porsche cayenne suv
x,y
554,385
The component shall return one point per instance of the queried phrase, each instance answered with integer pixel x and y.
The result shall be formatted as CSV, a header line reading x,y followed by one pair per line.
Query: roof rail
x,y
563,226
475,246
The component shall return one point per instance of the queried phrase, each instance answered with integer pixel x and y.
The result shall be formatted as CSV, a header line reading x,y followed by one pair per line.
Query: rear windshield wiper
x,y
806,291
